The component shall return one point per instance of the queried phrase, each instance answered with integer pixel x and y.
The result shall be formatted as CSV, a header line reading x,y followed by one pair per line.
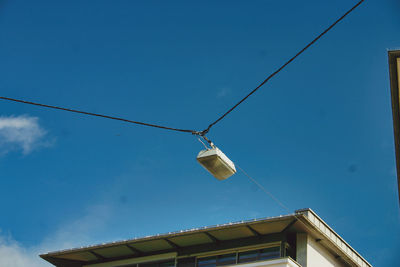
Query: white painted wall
x,y
318,256
312,254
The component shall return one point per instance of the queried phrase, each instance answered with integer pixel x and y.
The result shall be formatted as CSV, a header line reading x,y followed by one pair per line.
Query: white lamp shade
x,y
217,163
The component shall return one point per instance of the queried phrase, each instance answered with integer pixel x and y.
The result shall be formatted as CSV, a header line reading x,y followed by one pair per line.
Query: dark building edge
x,y
394,85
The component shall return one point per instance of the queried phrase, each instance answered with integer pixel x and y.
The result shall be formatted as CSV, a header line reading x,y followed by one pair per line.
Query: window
x,y
158,264
248,256
240,257
270,253
220,260
207,261
259,254
226,259
167,264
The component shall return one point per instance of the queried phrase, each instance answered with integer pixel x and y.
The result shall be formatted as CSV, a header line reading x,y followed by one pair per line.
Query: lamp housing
x,y
217,163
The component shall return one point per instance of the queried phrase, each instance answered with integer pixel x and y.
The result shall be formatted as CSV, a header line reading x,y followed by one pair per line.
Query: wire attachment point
x,y
208,141
200,136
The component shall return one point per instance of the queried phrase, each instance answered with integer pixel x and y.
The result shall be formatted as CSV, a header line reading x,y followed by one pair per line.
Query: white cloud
x,y
20,133
80,232
13,254
76,233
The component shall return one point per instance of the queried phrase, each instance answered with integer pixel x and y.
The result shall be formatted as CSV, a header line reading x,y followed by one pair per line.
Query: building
x,y
299,239
394,70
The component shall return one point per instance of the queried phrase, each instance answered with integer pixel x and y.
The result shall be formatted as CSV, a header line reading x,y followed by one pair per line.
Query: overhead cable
x,y
99,115
283,66
205,131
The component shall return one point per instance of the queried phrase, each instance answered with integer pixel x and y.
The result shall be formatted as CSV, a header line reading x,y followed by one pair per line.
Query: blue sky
x,y
319,135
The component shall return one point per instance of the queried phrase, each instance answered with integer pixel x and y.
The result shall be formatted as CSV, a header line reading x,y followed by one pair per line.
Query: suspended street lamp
x,y
216,162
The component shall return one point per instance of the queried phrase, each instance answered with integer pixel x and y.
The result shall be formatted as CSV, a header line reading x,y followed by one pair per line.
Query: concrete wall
x,y
310,253
319,256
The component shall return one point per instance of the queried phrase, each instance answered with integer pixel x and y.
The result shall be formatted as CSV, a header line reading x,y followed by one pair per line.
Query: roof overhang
x,y
183,241
190,242
327,237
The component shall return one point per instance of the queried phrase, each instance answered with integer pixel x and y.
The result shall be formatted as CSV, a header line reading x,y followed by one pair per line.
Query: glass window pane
x,y
248,256
207,261
167,264
152,264
270,253
226,259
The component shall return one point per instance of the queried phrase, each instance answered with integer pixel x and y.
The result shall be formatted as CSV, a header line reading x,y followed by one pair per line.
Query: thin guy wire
x,y
283,66
271,195
202,143
99,115
263,189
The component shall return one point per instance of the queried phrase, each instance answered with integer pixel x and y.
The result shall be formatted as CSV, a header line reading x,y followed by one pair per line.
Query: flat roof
x,y
301,221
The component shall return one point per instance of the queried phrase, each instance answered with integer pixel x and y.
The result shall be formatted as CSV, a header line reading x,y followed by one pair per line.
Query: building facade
x,y
299,239
394,70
